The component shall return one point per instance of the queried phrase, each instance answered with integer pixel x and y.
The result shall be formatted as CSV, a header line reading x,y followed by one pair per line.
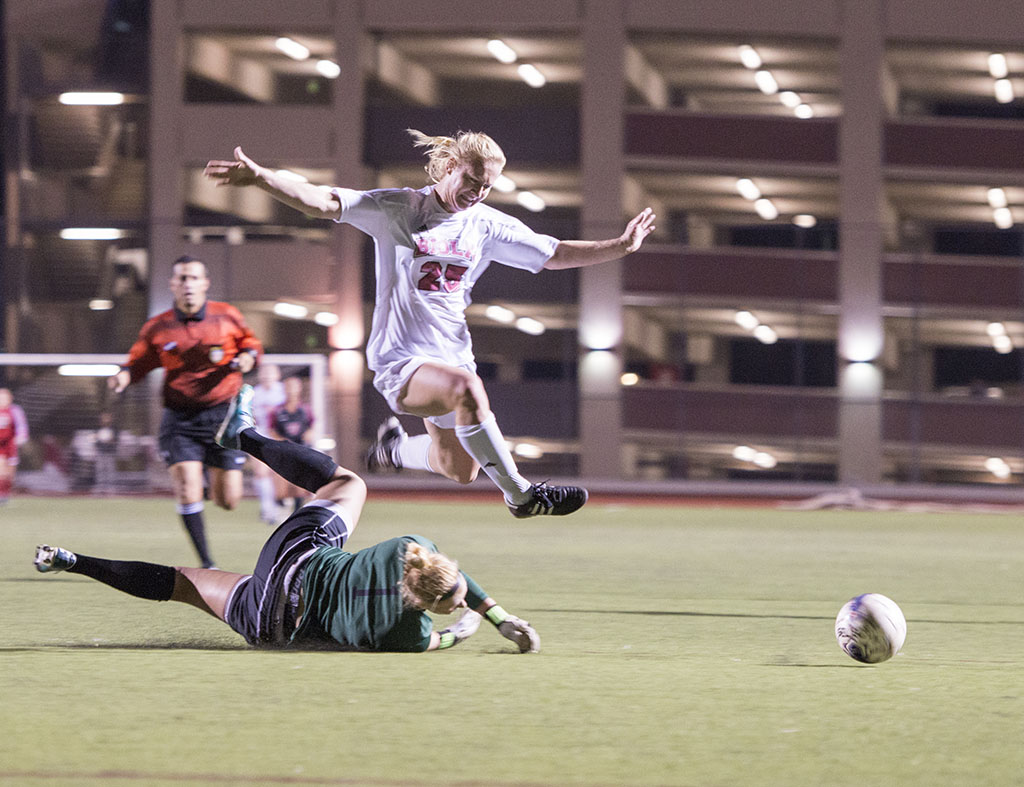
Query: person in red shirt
x,y
13,434
204,348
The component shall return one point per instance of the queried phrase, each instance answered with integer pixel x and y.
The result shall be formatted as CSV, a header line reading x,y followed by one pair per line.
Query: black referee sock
x,y
143,580
303,466
196,528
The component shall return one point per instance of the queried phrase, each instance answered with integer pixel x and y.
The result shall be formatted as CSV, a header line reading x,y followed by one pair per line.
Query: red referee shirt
x,y
196,353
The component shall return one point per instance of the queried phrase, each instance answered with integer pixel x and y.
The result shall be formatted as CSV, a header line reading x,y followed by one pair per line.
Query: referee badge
x,y
217,354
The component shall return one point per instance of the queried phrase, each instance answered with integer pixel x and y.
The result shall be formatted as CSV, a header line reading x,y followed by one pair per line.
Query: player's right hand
x,y
243,171
118,382
521,633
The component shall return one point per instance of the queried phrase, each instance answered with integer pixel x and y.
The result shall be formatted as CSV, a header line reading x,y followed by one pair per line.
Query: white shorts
x,y
392,379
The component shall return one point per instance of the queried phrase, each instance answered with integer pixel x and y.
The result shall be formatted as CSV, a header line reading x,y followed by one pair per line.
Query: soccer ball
x,y
871,628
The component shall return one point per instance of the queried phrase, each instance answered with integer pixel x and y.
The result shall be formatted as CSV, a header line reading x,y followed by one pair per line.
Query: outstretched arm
x,y
579,253
483,606
314,201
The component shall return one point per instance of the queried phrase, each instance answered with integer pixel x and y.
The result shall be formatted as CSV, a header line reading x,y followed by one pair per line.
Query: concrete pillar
x,y
165,108
600,306
861,234
346,366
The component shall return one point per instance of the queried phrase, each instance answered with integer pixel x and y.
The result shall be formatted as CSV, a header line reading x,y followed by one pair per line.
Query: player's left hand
x,y
639,227
521,633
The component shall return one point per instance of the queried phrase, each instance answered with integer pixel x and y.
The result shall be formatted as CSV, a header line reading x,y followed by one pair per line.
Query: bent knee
x,y
465,478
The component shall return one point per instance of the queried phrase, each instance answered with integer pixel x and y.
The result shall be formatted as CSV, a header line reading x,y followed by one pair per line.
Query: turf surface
x,y
682,646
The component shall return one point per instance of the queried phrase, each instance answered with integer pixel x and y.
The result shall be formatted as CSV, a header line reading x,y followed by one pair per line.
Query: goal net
x,y
85,439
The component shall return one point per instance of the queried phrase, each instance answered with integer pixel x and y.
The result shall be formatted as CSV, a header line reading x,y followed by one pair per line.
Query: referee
x,y
204,348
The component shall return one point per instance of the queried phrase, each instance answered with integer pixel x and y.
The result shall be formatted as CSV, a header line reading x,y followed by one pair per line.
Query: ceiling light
x,y
101,304
502,51
995,329
997,466
805,220
504,184
326,319
765,460
1004,91
90,233
766,209
765,335
1003,344
766,82
790,99
499,314
1003,218
530,326
530,201
528,451
91,99
748,189
292,48
804,111
749,57
629,378
328,68
293,310
88,369
531,76
997,198
744,453
746,320
997,65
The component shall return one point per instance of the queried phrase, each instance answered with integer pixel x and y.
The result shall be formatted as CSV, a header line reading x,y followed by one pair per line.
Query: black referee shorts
x,y
188,437
261,607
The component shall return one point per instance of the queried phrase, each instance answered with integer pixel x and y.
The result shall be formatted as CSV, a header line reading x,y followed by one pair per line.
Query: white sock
x,y
485,443
268,500
414,453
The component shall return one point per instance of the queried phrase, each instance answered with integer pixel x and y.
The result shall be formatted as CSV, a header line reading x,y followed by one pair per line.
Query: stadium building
x,y
834,296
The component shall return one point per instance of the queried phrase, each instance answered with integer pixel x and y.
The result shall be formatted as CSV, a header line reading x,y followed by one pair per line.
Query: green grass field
x,y
680,646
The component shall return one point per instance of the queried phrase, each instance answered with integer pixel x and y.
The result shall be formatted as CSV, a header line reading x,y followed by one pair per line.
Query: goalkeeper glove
x,y
462,629
515,629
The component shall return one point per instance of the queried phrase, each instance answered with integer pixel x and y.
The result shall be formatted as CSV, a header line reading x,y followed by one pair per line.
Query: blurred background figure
x,y
292,421
268,393
13,434
105,474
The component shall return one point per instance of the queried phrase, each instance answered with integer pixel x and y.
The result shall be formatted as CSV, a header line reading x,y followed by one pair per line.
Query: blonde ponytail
x,y
426,575
465,146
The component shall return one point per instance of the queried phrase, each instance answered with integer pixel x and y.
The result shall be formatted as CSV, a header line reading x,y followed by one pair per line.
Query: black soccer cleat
x,y
548,500
382,455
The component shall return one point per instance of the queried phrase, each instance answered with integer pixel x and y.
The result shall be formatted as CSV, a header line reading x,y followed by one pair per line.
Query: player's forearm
x,y
314,201
580,253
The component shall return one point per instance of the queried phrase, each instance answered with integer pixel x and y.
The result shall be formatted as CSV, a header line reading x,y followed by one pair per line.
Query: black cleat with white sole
x,y
546,500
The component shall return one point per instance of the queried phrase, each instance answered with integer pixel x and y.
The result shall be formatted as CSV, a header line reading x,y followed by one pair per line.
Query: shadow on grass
x,y
205,646
691,614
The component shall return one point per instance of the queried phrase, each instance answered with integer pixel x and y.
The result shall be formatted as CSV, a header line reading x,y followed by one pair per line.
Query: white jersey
x,y
427,261
264,399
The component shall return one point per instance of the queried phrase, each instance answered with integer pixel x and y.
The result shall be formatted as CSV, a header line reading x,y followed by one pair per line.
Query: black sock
x,y
144,580
197,532
303,466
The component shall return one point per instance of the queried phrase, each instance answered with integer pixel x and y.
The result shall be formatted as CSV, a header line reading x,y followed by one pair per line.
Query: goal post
x,y
83,438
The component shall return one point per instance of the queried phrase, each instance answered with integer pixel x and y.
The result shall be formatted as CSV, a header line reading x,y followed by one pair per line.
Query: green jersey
x,y
353,601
